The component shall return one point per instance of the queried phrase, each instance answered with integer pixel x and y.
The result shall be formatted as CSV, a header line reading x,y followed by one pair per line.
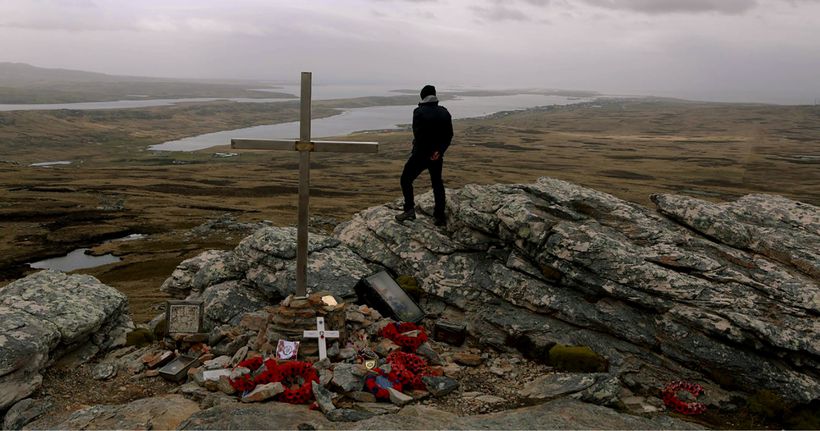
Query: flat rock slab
x,y
555,385
257,416
165,412
558,414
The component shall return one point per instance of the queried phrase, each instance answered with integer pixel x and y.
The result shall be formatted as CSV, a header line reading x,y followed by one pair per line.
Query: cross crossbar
x,y
314,146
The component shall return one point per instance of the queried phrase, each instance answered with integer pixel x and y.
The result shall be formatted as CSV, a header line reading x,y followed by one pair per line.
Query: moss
x,y
576,358
766,404
139,337
410,285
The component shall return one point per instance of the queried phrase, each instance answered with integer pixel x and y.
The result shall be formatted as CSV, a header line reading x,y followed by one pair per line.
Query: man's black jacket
x,y
432,129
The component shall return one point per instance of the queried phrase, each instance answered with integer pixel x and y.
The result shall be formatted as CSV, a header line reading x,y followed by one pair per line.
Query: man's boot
x,y
440,221
407,215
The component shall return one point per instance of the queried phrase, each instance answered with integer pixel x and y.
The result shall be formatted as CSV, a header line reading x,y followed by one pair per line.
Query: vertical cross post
x,y
304,186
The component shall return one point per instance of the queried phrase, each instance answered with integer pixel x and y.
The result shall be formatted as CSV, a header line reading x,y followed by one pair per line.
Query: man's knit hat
x,y
428,90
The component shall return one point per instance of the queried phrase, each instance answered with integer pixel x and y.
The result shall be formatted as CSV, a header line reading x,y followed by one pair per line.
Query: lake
x,y
371,118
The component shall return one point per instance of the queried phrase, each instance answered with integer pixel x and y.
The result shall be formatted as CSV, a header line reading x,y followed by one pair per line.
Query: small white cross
x,y
322,335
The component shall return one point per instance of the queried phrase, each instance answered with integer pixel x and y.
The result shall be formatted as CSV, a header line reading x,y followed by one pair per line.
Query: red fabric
x,y
289,373
394,332
408,368
671,400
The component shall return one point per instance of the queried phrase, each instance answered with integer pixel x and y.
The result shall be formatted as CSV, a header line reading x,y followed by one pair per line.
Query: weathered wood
x,y
264,144
304,186
317,146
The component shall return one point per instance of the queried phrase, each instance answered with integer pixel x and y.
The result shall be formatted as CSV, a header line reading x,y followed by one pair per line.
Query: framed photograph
x,y
287,350
184,317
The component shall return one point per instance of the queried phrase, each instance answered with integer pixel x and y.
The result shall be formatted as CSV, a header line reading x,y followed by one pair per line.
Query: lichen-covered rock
x,y
49,314
554,262
723,294
197,273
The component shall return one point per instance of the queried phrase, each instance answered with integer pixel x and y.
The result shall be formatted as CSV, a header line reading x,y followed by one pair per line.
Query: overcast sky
x,y
709,49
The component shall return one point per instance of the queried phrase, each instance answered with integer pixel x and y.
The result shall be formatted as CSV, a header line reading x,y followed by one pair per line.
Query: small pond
x,y
77,259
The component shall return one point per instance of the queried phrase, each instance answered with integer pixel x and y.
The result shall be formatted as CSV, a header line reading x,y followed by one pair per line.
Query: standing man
x,y
432,133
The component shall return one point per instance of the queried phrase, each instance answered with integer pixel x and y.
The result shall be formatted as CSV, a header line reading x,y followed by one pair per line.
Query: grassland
x,y
630,148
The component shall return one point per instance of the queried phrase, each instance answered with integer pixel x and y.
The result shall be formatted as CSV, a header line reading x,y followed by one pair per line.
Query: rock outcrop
x,y
48,316
163,413
559,414
723,294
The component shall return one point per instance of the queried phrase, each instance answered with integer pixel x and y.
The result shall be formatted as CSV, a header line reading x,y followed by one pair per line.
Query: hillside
x,y
23,83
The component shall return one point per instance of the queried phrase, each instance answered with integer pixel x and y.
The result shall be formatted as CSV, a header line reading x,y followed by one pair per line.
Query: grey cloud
x,y
658,7
500,13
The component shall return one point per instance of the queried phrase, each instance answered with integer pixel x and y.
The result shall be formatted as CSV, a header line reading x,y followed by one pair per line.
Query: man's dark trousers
x,y
412,169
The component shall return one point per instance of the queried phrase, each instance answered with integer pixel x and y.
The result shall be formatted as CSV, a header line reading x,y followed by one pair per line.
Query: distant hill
x,y
24,83
24,75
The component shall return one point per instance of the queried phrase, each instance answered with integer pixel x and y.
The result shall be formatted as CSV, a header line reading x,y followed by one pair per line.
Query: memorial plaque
x,y
381,292
184,317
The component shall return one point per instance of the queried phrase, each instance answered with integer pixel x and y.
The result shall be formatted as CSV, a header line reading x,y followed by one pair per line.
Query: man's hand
x,y
436,155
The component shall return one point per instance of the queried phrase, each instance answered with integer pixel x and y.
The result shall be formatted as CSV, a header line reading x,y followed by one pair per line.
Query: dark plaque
x,y
184,317
177,369
381,292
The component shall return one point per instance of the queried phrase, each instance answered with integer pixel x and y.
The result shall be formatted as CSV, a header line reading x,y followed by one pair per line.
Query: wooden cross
x,y
322,335
304,146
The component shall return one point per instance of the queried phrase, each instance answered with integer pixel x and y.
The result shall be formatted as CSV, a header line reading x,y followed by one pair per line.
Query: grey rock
x,y
399,398
24,412
263,392
659,286
349,377
348,415
347,353
196,274
426,351
49,314
239,356
256,416
377,408
605,392
223,361
104,371
362,397
555,385
165,412
324,398
226,303
439,386
557,414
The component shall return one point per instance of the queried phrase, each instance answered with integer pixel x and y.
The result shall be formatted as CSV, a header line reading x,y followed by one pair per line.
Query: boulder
x,y
48,315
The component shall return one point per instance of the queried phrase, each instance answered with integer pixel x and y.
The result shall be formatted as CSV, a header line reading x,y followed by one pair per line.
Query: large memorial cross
x,y
304,145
